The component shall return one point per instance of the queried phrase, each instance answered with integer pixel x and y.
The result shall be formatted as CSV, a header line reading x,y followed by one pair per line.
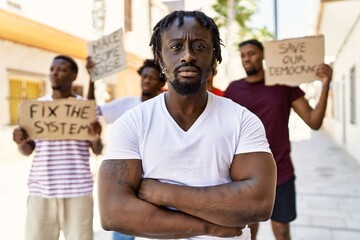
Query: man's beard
x,y
148,94
251,71
185,88
56,88
61,87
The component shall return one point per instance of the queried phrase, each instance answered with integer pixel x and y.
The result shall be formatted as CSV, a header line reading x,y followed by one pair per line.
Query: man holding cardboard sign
x,y
272,104
60,181
67,118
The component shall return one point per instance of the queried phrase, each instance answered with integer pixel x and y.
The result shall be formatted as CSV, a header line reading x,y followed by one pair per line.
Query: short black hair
x,y
152,64
72,62
253,42
204,20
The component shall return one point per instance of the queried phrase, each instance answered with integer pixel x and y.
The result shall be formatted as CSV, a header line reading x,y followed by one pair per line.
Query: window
x,y
337,100
353,95
22,86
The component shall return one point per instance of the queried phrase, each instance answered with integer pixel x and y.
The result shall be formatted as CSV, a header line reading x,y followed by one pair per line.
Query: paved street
x,y
328,190
328,187
14,169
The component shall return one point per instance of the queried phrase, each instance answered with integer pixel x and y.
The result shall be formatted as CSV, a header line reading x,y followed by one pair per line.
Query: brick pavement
x,y
328,190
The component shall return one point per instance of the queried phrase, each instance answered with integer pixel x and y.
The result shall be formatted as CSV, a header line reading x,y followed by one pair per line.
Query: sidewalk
x,y
14,170
328,190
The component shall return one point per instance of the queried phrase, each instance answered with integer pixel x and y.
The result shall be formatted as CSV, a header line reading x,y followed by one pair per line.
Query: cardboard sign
x,y
57,119
108,54
293,61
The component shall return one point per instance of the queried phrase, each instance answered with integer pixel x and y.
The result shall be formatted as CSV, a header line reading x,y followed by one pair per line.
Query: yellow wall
x,y
25,31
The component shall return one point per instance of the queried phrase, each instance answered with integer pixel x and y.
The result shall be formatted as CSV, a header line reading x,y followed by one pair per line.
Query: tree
x,y
243,10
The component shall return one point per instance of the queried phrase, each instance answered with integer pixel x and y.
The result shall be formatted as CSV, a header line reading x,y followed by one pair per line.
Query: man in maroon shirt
x,y
272,104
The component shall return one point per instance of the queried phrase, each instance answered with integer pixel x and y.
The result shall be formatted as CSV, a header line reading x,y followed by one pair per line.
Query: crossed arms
x,y
136,206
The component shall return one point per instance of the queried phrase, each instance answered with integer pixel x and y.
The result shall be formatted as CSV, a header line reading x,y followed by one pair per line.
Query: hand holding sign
x,y
324,72
293,61
20,136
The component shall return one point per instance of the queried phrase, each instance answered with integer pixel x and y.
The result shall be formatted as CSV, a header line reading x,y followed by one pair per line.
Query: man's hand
x,y
89,67
20,136
25,145
90,64
324,72
95,128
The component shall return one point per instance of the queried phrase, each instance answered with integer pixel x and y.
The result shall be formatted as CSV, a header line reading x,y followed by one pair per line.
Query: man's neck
x,y
145,97
186,104
185,109
60,94
260,76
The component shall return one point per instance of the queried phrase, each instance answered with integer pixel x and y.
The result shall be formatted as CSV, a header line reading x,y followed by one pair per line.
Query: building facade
x,y
31,34
339,21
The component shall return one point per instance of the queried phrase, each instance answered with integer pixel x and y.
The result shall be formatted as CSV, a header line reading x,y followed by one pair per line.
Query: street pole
x,y
229,33
98,21
275,20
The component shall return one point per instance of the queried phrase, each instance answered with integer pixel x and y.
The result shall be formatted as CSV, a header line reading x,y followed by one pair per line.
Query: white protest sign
x,y
293,61
57,119
108,54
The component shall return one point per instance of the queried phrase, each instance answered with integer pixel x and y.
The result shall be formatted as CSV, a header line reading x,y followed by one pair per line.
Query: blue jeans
x,y
120,236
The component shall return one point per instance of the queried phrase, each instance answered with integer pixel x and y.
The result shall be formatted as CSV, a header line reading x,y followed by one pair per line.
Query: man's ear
x,y
213,62
262,55
73,77
162,67
214,66
158,58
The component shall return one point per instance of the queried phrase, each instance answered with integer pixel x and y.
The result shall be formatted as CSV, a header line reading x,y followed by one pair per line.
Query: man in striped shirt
x,y
60,181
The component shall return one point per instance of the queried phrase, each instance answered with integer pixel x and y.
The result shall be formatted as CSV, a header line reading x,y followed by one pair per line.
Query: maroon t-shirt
x,y
272,104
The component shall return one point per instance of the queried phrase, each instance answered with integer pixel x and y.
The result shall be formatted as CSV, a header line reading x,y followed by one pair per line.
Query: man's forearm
x,y
97,146
122,210
217,204
248,199
91,90
139,218
319,112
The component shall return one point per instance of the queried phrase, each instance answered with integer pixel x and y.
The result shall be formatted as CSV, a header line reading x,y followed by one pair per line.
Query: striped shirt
x,y
60,168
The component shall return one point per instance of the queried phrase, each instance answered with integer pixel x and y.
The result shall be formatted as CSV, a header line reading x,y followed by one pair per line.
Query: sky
x,y
296,18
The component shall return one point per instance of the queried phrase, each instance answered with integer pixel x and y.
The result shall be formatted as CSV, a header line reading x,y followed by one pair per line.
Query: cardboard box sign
x,y
108,54
57,119
292,61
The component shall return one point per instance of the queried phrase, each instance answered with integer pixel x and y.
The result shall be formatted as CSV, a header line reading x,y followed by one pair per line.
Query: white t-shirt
x,y
201,156
114,109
